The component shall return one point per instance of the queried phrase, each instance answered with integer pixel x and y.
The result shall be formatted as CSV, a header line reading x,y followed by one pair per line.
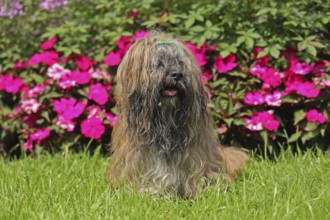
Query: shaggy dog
x,y
165,140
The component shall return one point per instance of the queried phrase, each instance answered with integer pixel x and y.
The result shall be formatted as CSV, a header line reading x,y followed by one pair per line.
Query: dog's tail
x,y
235,161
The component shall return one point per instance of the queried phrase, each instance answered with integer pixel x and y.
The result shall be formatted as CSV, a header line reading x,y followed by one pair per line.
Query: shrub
x,y
266,65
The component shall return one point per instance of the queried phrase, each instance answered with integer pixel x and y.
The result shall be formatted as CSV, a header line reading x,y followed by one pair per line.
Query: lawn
x,y
74,187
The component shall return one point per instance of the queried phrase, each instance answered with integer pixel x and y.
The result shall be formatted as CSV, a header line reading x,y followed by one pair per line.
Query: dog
x,y
165,140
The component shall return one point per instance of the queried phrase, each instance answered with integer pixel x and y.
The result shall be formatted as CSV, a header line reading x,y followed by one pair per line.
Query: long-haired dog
x,y
165,139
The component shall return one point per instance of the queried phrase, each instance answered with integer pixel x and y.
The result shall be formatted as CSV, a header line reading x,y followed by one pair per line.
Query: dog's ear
x,y
133,71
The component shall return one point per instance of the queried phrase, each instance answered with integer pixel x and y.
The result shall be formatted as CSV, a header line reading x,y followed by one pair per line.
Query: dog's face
x,y
160,93
171,68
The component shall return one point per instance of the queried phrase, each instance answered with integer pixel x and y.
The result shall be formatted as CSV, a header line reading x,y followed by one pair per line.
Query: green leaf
x,y
263,11
189,22
198,28
224,53
310,126
37,78
274,52
264,52
309,135
294,137
298,116
311,50
249,42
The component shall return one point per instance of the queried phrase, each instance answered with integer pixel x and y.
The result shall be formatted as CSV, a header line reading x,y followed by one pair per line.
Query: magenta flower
x,y
98,94
223,65
66,124
124,43
199,54
30,106
314,116
112,59
307,89
28,145
94,111
30,120
325,83
274,99
253,124
36,90
20,64
140,34
261,120
258,70
69,108
48,44
40,135
66,82
92,128
10,84
111,118
51,5
57,71
47,57
300,68
80,78
206,76
271,77
254,98
84,64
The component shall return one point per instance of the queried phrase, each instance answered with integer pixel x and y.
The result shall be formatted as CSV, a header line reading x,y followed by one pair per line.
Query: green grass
x,y
73,187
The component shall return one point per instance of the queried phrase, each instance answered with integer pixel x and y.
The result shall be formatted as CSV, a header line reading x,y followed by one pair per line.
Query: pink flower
x,y
65,123
80,78
133,14
40,135
30,120
261,120
98,94
300,68
325,83
66,82
111,118
254,98
57,71
94,111
36,90
140,34
199,54
308,90
48,44
223,65
84,64
92,128
258,70
271,77
314,116
30,106
28,145
124,43
206,76
253,124
274,99
20,64
46,57
112,59
10,84
68,108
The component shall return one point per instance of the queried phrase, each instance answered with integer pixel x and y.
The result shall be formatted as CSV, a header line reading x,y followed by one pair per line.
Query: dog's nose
x,y
176,75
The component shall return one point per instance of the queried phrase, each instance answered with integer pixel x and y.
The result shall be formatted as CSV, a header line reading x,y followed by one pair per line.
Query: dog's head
x,y
159,90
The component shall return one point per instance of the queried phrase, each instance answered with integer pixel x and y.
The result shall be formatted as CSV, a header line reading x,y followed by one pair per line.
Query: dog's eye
x,y
180,62
159,64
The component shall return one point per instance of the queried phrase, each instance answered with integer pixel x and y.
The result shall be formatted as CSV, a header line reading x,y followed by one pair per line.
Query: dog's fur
x,y
165,139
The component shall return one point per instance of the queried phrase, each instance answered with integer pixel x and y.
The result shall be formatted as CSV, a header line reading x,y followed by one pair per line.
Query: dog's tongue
x,y
170,92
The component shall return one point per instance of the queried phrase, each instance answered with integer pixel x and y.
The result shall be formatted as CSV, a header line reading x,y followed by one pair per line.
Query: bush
x,y
266,65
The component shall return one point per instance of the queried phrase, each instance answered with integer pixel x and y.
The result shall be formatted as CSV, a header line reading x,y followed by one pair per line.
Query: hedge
x,y
266,64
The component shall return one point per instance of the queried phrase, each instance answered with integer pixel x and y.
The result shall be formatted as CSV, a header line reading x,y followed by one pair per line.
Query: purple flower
x,y
51,5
